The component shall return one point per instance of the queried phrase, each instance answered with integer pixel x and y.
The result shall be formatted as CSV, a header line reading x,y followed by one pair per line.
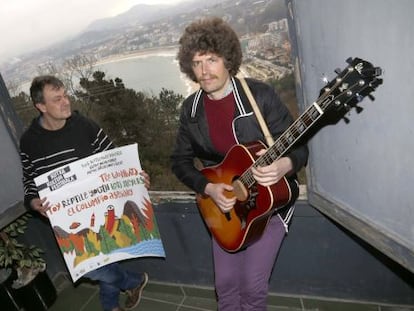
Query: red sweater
x,y
220,115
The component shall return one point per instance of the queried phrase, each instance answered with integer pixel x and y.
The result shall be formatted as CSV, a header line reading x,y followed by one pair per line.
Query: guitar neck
x,y
291,135
286,140
356,81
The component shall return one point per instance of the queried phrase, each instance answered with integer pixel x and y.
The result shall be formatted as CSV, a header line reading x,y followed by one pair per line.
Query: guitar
x,y
255,204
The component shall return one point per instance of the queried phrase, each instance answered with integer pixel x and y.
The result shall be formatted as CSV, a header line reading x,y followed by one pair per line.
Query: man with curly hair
x,y
213,119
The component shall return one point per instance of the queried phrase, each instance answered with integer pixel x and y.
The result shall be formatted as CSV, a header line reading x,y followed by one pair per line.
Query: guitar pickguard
x,y
243,209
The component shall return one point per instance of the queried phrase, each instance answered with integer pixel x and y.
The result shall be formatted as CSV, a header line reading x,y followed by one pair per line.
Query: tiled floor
x,y
172,297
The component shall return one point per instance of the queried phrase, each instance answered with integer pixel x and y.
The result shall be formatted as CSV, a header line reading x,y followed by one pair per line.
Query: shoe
x,y
134,295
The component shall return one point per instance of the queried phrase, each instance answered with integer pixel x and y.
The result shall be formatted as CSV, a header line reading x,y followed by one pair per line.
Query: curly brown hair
x,y
209,35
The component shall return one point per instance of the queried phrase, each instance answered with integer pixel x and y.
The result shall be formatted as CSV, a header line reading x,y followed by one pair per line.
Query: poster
x,y
100,210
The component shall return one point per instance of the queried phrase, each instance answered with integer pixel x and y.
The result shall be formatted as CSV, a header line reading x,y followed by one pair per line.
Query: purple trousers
x,y
242,278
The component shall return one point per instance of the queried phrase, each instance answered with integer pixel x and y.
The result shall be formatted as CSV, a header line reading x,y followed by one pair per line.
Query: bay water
x,y
148,74
143,73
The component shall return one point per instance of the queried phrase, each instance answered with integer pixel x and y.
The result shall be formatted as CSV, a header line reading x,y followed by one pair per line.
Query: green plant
x,y
25,260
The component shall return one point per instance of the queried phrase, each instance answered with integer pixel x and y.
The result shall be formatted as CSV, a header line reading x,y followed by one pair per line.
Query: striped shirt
x,y
42,150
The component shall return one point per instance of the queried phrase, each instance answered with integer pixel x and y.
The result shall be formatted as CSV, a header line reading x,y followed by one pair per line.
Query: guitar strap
x,y
265,130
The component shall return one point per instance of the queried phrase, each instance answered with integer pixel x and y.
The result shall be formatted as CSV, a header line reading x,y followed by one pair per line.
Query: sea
x,y
147,73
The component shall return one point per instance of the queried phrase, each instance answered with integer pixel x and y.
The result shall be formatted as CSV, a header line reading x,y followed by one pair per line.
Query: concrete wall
x,y
318,257
11,190
360,172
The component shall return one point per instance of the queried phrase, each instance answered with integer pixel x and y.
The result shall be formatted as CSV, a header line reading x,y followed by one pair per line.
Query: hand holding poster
x,y
100,210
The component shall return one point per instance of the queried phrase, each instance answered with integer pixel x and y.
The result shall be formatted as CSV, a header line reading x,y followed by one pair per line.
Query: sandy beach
x,y
170,51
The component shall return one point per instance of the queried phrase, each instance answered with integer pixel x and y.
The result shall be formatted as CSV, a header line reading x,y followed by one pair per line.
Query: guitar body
x,y
246,222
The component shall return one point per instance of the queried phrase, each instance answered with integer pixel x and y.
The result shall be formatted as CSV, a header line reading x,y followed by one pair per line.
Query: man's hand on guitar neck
x,y
217,192
271,174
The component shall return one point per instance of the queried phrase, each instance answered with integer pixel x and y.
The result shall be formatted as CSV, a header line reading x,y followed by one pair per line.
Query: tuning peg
x,y
372,72
371,97
345,119
349,60
359,97
378,71
338,71
358,109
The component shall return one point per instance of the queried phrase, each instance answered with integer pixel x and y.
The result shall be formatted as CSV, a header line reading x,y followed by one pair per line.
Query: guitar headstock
x,y
357,81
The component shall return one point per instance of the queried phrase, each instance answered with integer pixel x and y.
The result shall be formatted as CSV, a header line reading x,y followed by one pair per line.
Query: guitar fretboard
x,y
284,142
306,121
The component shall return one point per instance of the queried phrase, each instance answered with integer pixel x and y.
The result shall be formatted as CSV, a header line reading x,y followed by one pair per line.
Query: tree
x,y
77,68
169,103
164,125
129,116
24,108
121,112
285,87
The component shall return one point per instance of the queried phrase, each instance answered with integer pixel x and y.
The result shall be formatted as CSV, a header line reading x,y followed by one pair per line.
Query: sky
x,y
28,25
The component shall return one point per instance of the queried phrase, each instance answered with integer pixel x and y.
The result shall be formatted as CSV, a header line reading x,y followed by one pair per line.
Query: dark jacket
x,y
193,139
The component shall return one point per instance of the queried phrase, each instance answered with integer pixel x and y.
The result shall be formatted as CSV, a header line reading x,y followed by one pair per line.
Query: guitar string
x,y
298,128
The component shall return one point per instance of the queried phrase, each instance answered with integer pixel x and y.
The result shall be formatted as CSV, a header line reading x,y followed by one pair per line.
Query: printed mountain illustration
x,y
132,227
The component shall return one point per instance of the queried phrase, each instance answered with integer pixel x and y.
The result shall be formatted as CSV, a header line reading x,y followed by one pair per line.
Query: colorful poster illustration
x,y
101,211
